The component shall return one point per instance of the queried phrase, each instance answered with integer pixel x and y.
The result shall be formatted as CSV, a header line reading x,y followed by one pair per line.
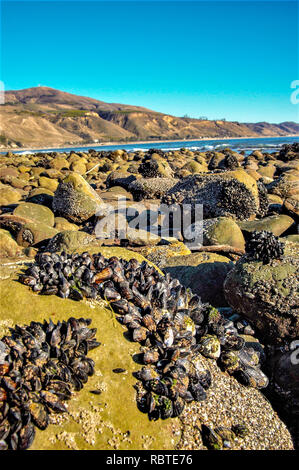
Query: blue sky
x,y
232,59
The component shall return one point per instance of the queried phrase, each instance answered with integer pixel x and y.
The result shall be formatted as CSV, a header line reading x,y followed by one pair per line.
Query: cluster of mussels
x,y
40,365
172,325
264,246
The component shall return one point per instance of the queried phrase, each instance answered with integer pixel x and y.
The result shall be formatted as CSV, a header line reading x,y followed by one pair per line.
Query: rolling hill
x,y
44,117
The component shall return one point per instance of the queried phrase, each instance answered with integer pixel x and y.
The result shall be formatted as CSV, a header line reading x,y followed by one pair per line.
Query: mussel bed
x,y
41,364
173,326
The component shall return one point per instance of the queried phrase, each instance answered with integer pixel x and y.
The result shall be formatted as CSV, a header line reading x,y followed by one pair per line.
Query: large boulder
x,y
75,199
228,194
267,294
204,273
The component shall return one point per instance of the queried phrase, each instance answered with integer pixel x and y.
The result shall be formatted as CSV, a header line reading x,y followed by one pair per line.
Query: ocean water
x,y
269,144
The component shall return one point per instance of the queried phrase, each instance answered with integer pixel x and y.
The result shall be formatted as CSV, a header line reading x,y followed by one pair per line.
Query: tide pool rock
x,y
89,424
204,273
75,199
267,294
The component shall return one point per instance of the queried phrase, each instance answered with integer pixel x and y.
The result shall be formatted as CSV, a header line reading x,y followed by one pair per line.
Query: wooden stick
x,y
223,248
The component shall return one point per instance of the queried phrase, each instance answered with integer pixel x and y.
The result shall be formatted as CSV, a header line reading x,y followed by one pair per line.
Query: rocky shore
x,y
198,320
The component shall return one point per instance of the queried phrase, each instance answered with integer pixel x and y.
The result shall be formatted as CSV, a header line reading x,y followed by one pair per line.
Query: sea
x,y
267,144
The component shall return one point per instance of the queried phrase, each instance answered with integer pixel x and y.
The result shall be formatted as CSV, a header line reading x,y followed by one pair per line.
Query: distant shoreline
x,y
105,144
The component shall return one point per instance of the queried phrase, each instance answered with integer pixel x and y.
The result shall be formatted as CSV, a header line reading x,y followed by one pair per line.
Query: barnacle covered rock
x,y
150,188
221,194
75,199
267,294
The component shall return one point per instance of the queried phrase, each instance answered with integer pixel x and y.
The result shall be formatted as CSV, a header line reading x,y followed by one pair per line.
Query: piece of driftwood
x,y
217,248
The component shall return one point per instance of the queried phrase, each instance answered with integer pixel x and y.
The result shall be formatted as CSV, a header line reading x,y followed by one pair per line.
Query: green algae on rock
x,y
8,246
35,212
267,294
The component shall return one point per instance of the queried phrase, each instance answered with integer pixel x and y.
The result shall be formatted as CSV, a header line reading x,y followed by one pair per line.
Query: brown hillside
x,y
44,117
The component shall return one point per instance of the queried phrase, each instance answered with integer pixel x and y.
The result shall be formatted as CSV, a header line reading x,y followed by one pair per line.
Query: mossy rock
x,y
141,237
276,224
61,224
267,171
70,241
204,273
78,167
35,212
8,195
59,163
18,183
224,231
32,233
195,167
8,245
8,171
112,420
162,253
48,183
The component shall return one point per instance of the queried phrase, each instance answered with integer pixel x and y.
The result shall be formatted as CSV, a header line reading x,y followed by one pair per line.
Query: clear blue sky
x,y
232,59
